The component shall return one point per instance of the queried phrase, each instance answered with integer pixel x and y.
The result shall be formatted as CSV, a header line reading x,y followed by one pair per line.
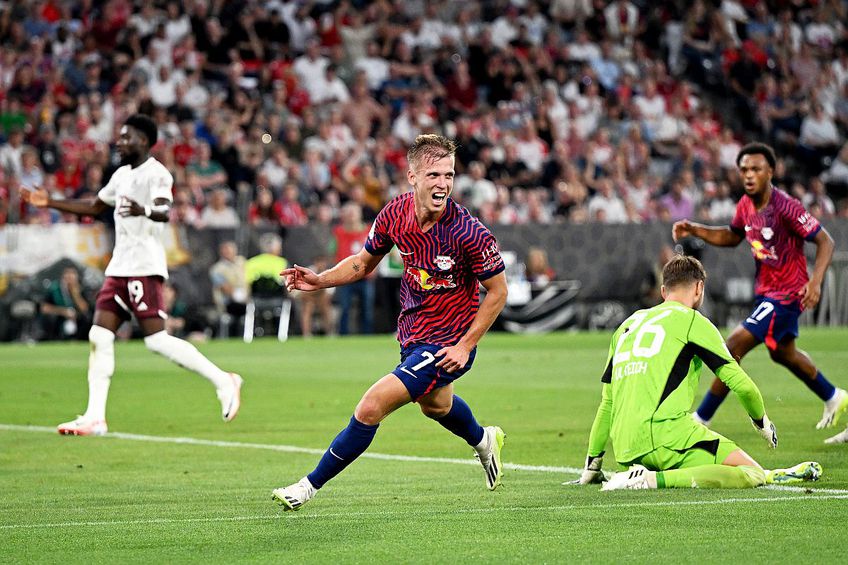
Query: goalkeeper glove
x,y
766,429
592,473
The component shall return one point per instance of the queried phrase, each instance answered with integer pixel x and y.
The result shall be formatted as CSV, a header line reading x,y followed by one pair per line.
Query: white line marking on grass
x,y
417,511
366,455
295,449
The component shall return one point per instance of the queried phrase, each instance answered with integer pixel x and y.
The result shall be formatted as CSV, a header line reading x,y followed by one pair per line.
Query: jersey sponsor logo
x,y
767,232
444,262
808,221
430,282
762,252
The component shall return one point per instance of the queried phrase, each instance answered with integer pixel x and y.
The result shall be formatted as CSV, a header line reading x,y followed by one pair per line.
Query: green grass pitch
x,y
141,496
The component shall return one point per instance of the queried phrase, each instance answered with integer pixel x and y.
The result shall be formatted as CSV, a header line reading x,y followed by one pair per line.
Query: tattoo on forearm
x,y
355,267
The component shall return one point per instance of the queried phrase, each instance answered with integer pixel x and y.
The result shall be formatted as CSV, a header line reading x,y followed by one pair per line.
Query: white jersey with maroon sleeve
x,y
139,250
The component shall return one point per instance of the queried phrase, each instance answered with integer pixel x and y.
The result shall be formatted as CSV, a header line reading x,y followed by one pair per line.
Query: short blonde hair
x,y
429,148
683,270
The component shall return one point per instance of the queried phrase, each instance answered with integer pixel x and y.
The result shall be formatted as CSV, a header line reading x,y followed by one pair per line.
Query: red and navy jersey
x,y
776,235
439,291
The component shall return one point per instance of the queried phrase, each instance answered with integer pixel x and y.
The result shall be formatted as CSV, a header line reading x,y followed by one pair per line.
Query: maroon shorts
x,y
125,296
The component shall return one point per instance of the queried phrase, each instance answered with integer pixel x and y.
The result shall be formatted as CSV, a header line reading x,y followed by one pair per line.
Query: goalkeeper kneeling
x,y
649,385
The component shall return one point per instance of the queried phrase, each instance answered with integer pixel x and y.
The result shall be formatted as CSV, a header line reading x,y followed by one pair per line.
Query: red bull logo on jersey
x,y
430,282
762,252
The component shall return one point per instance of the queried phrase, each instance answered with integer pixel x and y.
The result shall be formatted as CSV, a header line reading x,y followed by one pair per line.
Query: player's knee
x,y
100,338
779,356
435,412
368,412
158,342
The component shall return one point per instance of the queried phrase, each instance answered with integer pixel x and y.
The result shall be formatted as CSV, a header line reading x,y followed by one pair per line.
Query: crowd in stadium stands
x,y
278,113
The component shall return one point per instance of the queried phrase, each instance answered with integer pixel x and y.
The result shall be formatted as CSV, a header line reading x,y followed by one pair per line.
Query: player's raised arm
x,y
710,347
720,236
80,206
349,270
811,293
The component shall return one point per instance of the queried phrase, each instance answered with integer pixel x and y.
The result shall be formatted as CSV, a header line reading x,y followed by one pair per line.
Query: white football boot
x,y
83,426
489,454
230,398
294,496
636,477
833,409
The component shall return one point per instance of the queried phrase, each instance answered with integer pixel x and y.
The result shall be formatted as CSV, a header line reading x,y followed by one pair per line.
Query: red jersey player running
x,y
140,192
447,254
775,226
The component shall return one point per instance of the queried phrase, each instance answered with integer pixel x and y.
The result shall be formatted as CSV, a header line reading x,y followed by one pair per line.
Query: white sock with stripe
x,y
101,365
186,355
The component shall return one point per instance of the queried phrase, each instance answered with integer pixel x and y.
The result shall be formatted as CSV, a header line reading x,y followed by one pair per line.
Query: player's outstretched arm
x,y
348,270
40,198
720,236
811,293
598,438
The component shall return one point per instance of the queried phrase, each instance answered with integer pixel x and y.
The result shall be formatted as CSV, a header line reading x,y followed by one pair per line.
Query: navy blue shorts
x,y
418,372
772,321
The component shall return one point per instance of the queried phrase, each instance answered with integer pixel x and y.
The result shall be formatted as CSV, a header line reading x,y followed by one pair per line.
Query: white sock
x,y
835,398
483,447
101,365
186,355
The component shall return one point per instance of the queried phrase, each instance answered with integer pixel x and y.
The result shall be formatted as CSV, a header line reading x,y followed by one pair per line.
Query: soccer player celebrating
x,y
652,372
446,251
140,192
775,226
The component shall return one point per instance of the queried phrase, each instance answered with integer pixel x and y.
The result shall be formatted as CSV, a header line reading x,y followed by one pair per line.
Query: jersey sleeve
x,y
379,241
483,253
799,221
108,193
600,433
737,224
161,185
711,349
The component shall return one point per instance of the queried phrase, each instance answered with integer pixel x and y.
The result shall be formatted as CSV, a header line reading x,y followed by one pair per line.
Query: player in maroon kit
x,y
447,254
776,227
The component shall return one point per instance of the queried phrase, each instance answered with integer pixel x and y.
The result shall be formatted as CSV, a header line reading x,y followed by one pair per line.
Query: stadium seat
x,y
269,301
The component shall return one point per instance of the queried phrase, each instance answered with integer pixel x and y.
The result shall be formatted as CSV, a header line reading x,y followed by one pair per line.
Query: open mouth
x,y
439,198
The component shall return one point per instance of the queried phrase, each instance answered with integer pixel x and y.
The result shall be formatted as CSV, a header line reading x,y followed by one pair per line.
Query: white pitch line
x,y
295,449
366,455
417,512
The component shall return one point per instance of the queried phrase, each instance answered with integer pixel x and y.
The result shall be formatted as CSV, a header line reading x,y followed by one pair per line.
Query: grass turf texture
x,y
112,499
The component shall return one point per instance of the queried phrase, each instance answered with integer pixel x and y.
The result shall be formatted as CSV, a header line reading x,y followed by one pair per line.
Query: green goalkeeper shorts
x,y
693,446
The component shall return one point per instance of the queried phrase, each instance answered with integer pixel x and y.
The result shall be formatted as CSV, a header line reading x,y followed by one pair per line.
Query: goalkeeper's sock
x,y
101,365
712,476
348,445
461,422
822,387
709,405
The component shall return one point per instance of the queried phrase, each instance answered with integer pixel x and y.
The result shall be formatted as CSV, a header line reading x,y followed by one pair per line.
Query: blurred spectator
x,y
230,289
176,309
264,269
218,214
264,211
349,236
537,269
320,302
65,313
